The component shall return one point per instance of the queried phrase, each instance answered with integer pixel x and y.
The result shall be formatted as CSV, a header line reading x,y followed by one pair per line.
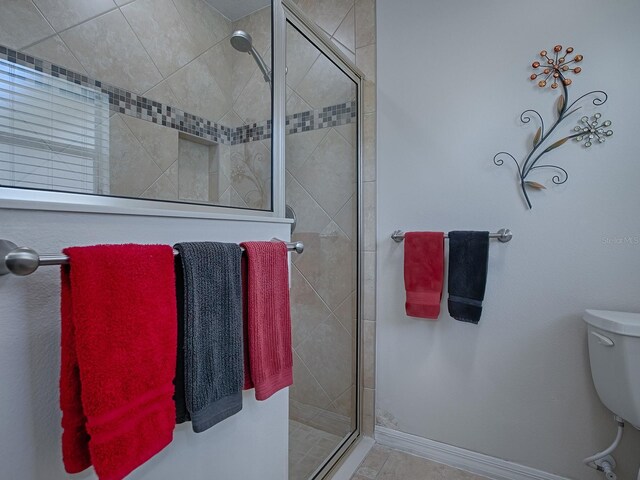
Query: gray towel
x,y
468,265
212,323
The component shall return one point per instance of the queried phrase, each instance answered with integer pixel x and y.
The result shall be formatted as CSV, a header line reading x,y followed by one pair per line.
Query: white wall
x,y
249,445
452,81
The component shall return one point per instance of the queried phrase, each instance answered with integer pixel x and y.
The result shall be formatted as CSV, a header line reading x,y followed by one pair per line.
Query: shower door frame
x,y
285,11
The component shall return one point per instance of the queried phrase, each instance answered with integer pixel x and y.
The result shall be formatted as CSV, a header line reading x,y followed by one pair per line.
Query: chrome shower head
x,y
241,41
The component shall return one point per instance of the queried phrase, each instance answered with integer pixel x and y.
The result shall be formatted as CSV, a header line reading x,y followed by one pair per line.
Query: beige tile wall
x,y
173,51
351,26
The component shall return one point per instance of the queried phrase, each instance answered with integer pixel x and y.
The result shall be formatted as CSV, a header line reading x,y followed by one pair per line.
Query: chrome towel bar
x,y
504,235
24,261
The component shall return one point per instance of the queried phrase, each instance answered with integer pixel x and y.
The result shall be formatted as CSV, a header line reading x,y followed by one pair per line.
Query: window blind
x,y
54,134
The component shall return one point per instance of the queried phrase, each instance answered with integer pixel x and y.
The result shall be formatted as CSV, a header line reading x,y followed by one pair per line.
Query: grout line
x,y
313,376
135,34
72,26
143,149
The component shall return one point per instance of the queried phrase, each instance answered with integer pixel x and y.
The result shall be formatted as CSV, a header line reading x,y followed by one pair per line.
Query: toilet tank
x,y
614,354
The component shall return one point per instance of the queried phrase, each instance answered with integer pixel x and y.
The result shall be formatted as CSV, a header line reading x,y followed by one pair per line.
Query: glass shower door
x,y
321,187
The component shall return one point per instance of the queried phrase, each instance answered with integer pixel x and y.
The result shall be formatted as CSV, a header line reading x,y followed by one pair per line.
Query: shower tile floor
x,y
309,447
386,464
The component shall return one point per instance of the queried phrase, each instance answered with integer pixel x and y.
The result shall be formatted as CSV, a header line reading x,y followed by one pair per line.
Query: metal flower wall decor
x,y
552,71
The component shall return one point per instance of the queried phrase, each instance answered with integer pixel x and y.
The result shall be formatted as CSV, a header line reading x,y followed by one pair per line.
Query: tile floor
x,y
386,464
308,448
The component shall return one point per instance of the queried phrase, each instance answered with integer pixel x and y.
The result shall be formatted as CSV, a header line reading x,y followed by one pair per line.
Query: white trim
x,y
351,463
278,85
17,199
478,463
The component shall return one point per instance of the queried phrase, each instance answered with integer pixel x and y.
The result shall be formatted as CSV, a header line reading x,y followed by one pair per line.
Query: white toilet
x,y
614,353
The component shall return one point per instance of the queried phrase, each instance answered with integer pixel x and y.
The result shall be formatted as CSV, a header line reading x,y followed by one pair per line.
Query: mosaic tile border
x,y
325,117
134,105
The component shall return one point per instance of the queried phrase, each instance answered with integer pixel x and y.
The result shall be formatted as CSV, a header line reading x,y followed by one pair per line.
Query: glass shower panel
x,y
321,187
153,100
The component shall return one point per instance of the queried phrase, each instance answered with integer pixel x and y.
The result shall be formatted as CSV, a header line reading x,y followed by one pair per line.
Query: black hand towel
x,y
468,260
212,330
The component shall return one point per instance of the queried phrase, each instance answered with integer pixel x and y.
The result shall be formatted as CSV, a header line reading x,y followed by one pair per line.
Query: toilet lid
x,y
622,323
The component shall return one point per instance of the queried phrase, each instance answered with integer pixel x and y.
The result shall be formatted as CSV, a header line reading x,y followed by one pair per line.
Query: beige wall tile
x,y
346,313
327,14
327,264
346,217
329,174
311,218
346,32
369,208
369,353
258,25
343,405
369,147
109,51
370,93
349,132
55,51
369,286
329,351
366,61
162,93
301,55
368,407
165,37
365,19
235,200
307,308
300,146
206,24
160,142
63,14
193,172
21,24
131,169
325,84
295,103
172,172
251,174
209,73
351,56
306,389
162,189
254,102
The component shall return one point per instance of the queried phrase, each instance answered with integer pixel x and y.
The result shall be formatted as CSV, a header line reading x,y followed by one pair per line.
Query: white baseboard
x,y
478,463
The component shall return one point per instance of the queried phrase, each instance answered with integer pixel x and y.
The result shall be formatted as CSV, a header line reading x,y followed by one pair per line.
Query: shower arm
x,y
263,66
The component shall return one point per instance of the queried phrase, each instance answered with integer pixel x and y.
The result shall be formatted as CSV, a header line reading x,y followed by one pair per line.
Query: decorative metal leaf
x,y
536,138
536,185
557,144
560,103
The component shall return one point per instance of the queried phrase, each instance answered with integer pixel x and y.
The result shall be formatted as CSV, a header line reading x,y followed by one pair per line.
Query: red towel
x,y
268,362
423,272
119,340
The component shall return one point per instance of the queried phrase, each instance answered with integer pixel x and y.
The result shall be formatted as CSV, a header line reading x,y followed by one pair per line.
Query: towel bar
x,y
24,261
504,235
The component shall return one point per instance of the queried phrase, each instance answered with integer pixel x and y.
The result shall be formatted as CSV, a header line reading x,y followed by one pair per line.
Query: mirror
x,y
150,99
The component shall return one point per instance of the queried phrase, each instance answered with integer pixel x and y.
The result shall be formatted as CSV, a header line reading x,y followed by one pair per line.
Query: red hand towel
x,y
119,340
423,272
268,362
